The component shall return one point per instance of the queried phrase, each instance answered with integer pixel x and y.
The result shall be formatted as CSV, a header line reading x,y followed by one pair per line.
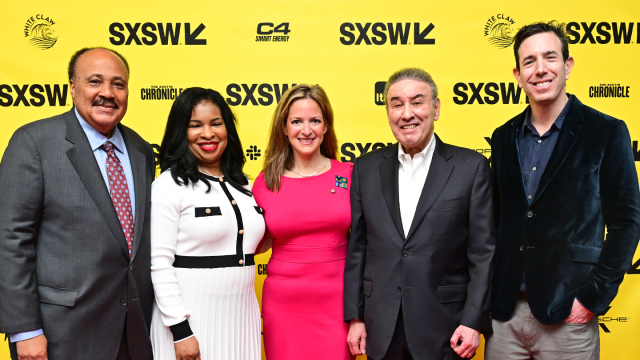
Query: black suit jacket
x,y
64,258
558,240
441,272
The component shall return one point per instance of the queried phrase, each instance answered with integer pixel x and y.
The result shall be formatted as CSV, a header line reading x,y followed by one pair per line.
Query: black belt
x,y
211,262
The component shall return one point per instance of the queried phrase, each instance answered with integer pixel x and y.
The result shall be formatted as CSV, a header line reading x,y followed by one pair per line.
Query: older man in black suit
x,y
418,271
564,172
75,277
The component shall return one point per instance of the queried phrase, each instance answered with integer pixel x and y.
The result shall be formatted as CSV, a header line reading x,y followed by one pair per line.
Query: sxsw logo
x,y
243,94
489,93
636,157
127,34
348,150
602,32
379,92
33,95
395,34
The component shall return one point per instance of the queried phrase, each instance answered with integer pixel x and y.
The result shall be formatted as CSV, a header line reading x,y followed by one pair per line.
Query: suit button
x,y
520,247
123,302
405,253
530,214
399,288
131,268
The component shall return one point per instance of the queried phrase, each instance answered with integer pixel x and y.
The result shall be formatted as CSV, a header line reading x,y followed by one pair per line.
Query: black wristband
x,y
181,331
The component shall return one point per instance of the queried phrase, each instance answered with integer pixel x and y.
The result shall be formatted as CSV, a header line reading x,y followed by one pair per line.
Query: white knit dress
x,y
219,303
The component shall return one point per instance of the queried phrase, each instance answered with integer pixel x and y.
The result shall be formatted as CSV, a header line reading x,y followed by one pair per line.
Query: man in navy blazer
x,y
565,173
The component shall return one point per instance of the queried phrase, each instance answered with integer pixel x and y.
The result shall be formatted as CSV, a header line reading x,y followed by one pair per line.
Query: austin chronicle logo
x,y
497,29
39,31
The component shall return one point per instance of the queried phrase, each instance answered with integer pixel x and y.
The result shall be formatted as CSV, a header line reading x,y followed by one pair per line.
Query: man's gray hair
x,y
411,74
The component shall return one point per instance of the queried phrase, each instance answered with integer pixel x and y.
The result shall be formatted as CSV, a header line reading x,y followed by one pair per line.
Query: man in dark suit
x,y
74,225
418,271
564,173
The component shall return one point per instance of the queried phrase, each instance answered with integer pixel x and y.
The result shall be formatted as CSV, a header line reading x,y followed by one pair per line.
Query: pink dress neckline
x,y
317,176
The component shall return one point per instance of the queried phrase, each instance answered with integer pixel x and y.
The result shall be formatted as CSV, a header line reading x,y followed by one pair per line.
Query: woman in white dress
x,y
205,227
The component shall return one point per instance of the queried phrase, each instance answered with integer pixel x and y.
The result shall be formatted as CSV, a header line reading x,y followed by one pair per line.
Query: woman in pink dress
x,y
304,192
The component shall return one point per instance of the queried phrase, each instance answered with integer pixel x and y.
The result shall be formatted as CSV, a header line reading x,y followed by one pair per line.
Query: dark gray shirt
x,y
535,150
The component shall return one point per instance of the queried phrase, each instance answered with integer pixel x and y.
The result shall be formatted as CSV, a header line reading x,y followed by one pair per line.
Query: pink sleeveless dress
x,y
302,298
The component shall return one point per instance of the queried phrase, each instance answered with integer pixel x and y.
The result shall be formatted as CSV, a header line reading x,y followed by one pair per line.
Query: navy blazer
x,y
559,239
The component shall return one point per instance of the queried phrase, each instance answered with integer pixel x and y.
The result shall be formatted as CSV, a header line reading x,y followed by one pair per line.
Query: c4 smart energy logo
x,y
269,32
39,31
603,32
382,33
498,31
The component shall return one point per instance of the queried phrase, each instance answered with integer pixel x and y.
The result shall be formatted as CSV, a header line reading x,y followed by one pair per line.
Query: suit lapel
x,y
513,156
389,179
566,139
85,164
439,173
138,168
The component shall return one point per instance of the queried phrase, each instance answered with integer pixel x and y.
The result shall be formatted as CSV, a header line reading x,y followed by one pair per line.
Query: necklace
x,y
316,173
204,172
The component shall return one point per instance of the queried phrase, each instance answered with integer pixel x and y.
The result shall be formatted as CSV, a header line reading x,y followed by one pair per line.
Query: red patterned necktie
x,y
119,191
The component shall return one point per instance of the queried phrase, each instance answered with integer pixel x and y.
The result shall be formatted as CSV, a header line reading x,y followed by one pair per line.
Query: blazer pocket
x,y
366,287
446,204
587,254
57,296
581,170
452,293
208,211
259,210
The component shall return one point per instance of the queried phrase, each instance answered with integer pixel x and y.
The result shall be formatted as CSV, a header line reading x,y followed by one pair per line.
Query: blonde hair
x,y
279,153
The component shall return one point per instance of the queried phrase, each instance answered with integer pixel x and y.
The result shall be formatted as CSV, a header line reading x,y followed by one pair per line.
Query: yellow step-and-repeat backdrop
x,y
252,51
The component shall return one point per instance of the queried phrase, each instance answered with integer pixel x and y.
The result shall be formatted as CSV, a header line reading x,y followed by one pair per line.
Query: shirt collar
x,y
96,139
429,149
559,120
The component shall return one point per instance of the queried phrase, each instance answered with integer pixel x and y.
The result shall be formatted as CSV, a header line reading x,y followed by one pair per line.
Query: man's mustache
x,y
105,102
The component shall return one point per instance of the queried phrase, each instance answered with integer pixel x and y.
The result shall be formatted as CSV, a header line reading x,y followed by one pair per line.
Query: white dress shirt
x,y
412,174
